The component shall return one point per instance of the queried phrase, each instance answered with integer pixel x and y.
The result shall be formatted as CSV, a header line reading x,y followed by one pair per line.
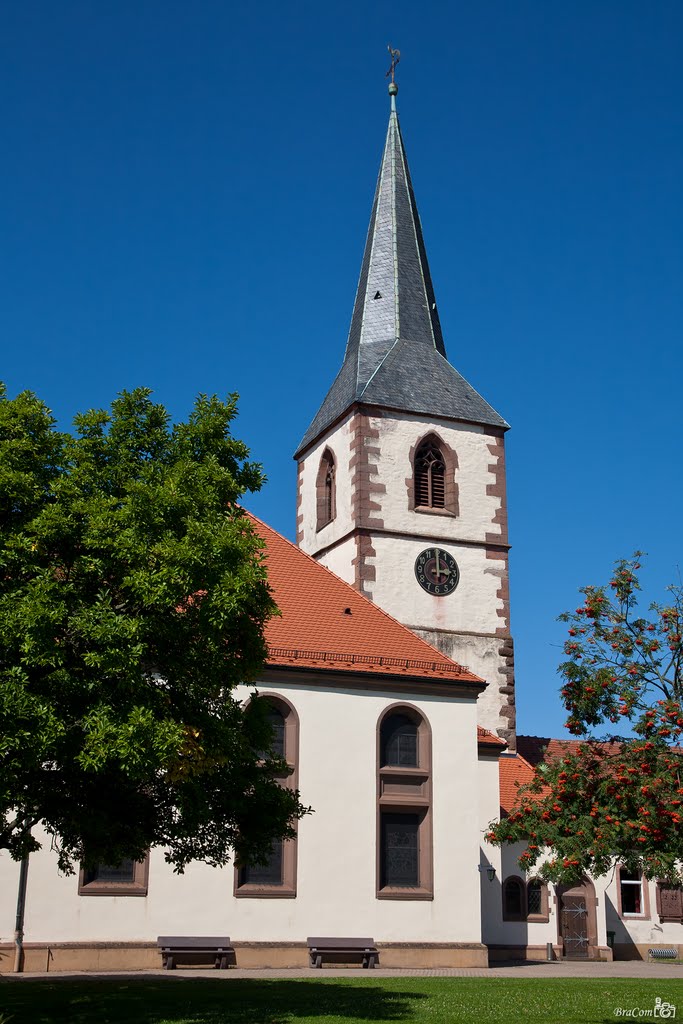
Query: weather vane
x,y
395,58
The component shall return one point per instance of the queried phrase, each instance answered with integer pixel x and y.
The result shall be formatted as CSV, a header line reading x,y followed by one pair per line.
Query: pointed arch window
x,y
326,490
430,475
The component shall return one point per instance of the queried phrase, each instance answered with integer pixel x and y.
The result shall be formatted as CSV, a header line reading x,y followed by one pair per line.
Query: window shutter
x,y
669,901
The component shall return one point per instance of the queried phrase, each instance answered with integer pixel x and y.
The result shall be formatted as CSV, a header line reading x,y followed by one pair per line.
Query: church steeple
x,y
395,354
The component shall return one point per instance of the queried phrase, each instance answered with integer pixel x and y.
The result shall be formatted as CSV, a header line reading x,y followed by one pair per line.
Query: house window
x,y
630,892
669,902
399,741
404,821
326,497
277,877
128,878
430,476
514,899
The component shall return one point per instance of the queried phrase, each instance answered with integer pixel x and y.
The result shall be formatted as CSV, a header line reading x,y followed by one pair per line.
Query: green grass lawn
x,y
333,1001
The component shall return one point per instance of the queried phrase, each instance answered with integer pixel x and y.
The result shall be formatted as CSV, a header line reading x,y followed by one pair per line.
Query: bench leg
x,y
170,964
224,962
366,962
319,960
371,962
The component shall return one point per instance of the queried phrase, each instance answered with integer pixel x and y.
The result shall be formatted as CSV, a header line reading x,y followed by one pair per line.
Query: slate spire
x,y
395,354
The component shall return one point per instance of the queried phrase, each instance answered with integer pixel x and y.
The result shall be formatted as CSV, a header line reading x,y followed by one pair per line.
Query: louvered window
x,y
430,476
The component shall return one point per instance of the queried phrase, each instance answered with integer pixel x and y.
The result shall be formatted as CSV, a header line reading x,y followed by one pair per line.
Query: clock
x,y
437,571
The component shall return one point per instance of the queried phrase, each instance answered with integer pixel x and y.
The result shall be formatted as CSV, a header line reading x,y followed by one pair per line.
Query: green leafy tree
x,y
612,798
133,598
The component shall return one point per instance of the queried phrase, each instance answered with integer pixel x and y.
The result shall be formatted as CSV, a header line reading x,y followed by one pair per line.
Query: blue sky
x,y
184,196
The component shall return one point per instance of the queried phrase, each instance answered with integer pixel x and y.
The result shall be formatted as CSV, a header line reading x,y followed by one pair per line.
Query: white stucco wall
x,y
338,441
336,848
398,435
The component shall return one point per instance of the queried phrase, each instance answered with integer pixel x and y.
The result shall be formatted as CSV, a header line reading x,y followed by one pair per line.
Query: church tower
x,y
401,474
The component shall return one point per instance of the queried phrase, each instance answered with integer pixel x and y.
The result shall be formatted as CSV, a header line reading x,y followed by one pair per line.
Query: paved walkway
x,y
563,969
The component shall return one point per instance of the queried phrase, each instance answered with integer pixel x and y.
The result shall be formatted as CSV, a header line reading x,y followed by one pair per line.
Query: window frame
x,y
406,790
451,491
523,887
644,913
138,886
289,779
326,497
520,885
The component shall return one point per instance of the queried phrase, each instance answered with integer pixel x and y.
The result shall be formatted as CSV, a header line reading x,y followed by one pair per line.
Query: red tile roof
x,y
488,739
327,624
514,771
542,748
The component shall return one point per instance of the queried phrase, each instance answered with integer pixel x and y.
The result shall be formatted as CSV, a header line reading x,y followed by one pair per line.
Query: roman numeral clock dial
x,y
437,571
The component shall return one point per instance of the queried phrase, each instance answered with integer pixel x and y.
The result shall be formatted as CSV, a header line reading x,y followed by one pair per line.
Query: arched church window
x,y
399,742
277,876
404,787
430,475
326,490
514,899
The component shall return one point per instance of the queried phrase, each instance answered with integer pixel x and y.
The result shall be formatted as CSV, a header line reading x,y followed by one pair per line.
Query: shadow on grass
x,y
190,1001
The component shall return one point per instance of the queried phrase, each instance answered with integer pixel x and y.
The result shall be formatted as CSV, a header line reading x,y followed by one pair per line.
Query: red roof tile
x,y
488,739
514,771
327,624
542,748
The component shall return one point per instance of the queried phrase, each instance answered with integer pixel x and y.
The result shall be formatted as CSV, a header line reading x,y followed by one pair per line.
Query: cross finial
x,y
395,58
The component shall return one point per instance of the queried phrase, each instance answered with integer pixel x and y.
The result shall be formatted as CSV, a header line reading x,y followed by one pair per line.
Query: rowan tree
x,y
612,797
133,598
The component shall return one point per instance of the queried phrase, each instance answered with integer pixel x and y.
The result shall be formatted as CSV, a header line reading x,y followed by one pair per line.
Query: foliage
x,y
615,797
133,598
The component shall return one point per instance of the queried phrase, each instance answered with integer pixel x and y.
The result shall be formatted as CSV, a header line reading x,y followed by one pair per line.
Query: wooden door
x,y
574,925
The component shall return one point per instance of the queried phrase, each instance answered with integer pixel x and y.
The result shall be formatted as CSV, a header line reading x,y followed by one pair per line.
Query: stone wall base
x,y
638,950
498,953
145,956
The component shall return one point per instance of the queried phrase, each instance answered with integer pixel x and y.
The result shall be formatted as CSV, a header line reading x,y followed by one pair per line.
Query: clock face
x,y
437,571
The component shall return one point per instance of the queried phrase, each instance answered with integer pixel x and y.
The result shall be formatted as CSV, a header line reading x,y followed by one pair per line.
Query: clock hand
x,y
438,567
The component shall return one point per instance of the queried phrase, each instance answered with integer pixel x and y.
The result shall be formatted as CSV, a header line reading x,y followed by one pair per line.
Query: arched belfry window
x,y
430,475
326,490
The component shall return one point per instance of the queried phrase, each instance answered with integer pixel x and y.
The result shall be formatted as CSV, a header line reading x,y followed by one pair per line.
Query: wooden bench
x,y
663,953
342,950
195,949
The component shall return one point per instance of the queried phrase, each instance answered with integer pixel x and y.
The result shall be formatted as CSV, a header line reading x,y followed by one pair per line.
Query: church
x,y
391,683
